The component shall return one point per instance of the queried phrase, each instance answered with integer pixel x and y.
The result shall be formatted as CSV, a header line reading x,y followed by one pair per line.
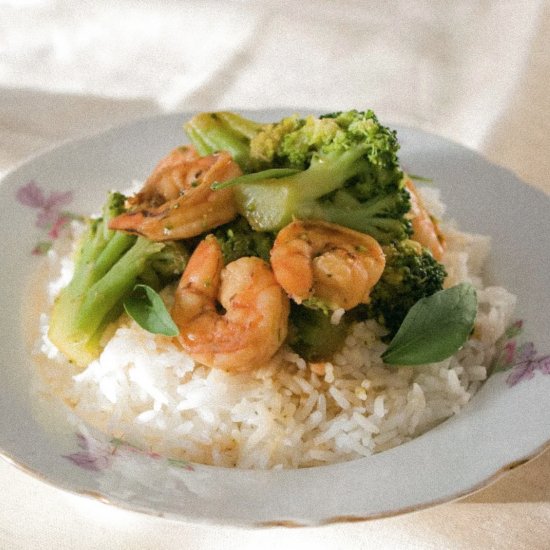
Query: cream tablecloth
x,y
475,72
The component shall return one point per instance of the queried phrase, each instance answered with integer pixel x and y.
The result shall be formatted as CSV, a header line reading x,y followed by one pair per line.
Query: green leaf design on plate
x,y
435,327
147,309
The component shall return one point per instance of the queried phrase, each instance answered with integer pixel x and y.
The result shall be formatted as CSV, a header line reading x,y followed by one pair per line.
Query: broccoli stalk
x,y
223,131
341,168
107,266
271,204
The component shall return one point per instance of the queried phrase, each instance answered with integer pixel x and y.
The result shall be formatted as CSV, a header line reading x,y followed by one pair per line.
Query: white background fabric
x,y
475,72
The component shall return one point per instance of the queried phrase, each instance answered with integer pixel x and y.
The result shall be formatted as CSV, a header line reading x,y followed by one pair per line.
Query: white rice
x,y
286,414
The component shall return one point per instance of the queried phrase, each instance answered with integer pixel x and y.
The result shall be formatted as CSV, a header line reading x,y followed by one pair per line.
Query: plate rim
x,y
44,152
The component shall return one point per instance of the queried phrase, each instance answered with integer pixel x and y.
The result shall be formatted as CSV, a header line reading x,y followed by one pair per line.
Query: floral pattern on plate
x,y
218,496
50,215
95,455
519,358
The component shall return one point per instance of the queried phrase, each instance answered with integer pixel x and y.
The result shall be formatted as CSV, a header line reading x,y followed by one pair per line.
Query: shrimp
x,y
170,176
425,228
177,202
316,259
254,323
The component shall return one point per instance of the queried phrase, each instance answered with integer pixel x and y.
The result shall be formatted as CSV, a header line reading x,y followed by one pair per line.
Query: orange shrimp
x,y
254,323
177,202
426,230
316,259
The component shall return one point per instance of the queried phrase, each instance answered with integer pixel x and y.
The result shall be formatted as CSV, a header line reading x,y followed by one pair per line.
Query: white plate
x,y
502,425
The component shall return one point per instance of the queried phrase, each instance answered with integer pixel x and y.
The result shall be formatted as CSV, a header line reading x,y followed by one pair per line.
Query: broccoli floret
x,y
107,265
312,334
237,239
341,168
165,265
411,273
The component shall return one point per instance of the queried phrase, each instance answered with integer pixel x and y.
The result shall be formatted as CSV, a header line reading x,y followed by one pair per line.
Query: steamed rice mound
x,y
287,413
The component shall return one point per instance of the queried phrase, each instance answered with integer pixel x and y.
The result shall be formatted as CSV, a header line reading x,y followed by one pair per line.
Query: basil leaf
x,y
272,173
416,177
435,327
147,309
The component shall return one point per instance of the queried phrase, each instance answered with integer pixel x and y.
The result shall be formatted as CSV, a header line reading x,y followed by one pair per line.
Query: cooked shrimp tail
x,y
425,228
177,201
254,321
328,262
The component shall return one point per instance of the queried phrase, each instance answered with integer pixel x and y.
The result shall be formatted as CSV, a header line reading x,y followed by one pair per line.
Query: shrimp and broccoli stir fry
x,y
269,232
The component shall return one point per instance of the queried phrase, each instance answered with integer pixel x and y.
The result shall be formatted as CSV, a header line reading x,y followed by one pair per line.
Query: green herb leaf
x,y
416,177
435,327
147,309
272,173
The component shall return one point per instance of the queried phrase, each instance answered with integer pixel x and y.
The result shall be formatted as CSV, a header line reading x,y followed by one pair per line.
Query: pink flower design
x,y
520,359
48,206
526,363
96,456
31,195
50,214
58,225
509,352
